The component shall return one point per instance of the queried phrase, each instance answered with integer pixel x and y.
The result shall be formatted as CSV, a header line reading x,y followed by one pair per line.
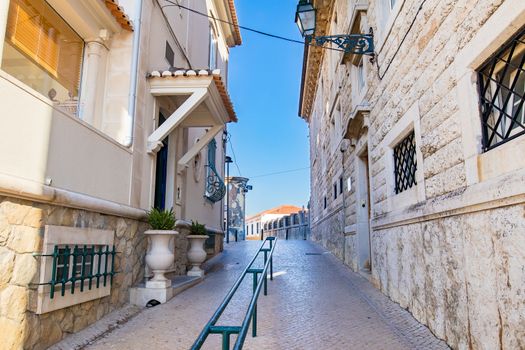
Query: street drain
x,y
312,253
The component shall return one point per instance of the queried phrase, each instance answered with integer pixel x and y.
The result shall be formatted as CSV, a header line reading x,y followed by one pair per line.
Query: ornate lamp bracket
x,y
358,44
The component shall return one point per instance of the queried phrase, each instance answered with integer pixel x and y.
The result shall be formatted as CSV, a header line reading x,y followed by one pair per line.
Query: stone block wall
x,y
21,233
463,276
457,266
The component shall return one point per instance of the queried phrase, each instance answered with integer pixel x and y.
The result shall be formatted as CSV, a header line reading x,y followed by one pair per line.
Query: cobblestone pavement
x,y
314,302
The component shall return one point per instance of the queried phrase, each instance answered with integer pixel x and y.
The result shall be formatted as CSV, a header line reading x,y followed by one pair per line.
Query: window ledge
x,y
501,191
502,159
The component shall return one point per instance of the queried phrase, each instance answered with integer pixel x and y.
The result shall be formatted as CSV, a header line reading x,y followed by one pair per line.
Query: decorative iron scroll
x,y
215,187
360,44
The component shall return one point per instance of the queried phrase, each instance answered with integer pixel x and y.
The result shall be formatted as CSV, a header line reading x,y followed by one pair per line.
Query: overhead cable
x,y
249,29
279,172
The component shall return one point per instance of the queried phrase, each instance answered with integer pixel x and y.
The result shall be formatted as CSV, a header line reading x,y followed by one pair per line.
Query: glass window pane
x,y
42,51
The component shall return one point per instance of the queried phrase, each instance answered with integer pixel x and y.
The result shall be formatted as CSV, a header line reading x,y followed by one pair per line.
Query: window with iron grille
x,y
502,93
405,164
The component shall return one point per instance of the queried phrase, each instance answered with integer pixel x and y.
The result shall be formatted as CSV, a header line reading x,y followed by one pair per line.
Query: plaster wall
x,y
58,149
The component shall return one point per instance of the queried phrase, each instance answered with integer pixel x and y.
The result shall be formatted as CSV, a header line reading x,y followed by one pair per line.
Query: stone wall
x,y
21,233
290,232
456,263
463,276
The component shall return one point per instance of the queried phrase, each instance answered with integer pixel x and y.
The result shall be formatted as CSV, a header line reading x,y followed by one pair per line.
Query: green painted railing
x,y
91,264
267,249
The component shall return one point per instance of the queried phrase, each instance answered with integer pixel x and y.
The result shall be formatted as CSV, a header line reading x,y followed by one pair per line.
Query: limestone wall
x,y
463,276
452,254
21,233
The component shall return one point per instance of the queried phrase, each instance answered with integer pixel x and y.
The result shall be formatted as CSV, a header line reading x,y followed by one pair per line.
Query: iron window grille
x,y
405,164
82,267
502,93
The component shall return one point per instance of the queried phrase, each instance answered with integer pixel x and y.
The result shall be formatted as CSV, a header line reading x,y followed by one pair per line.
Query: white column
x,y
4,10
90,81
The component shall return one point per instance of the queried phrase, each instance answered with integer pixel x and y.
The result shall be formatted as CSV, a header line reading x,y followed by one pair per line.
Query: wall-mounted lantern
x,y
305,18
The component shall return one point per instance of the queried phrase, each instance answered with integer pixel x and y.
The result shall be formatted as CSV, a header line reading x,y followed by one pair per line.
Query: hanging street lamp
x,y
360,44
305,18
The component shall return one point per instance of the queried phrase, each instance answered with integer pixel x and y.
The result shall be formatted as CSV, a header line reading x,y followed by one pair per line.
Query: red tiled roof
x,y
237,32
192,73
118,12
285,209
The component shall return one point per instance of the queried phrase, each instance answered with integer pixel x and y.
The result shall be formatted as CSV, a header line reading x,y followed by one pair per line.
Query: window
x,y
42,51
360,75
335,191
77,265
170,55
341,185
405,164
324,202
213,49
502,94
65,269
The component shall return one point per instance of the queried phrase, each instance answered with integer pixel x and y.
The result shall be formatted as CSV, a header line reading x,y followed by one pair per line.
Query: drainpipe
x,y
128,141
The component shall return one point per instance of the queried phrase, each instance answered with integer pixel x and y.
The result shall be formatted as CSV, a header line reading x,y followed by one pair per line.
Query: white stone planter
x,y
196,254
159,257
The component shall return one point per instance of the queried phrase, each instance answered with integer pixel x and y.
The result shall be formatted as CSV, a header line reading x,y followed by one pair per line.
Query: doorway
x,y
161,171
363,212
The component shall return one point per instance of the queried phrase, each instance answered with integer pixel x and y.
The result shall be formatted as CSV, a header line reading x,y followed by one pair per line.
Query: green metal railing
x,y
251,313
89,264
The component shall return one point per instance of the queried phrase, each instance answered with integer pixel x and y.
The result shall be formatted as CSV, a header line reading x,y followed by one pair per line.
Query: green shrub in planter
x,y
197,229
161,219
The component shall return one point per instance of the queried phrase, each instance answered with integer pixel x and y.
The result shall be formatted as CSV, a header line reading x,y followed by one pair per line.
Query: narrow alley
x,y
314,302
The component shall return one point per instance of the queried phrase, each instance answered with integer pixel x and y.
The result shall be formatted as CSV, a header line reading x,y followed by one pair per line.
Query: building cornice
x,y
314,58
16,187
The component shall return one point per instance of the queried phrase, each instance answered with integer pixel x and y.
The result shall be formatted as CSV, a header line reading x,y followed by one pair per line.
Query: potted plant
x,y
159,257
196,253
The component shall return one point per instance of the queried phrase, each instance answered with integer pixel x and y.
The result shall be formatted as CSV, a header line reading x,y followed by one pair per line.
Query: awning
x,y
204,102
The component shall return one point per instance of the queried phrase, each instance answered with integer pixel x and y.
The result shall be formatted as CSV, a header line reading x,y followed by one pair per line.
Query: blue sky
x,y
264,81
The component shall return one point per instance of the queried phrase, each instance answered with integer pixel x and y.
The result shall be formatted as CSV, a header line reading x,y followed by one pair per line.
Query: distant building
x,y
109,108
235,210
285,221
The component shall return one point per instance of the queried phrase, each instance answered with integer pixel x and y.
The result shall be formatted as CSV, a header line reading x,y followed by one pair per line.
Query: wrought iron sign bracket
x,y
358,44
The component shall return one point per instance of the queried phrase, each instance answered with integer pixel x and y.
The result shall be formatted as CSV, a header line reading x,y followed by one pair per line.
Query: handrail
x,y
251,314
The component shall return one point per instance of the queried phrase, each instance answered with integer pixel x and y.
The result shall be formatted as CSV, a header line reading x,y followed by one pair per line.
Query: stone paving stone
x,y
314,302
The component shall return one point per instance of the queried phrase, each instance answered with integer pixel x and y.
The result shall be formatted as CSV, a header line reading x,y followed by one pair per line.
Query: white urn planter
x,y
159,257
196,254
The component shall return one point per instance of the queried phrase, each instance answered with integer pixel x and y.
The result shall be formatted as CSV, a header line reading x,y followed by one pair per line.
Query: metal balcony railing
x,y
251,314
215,187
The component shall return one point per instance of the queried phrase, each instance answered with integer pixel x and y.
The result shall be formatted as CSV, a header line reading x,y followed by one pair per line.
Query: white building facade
x,y
109,108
